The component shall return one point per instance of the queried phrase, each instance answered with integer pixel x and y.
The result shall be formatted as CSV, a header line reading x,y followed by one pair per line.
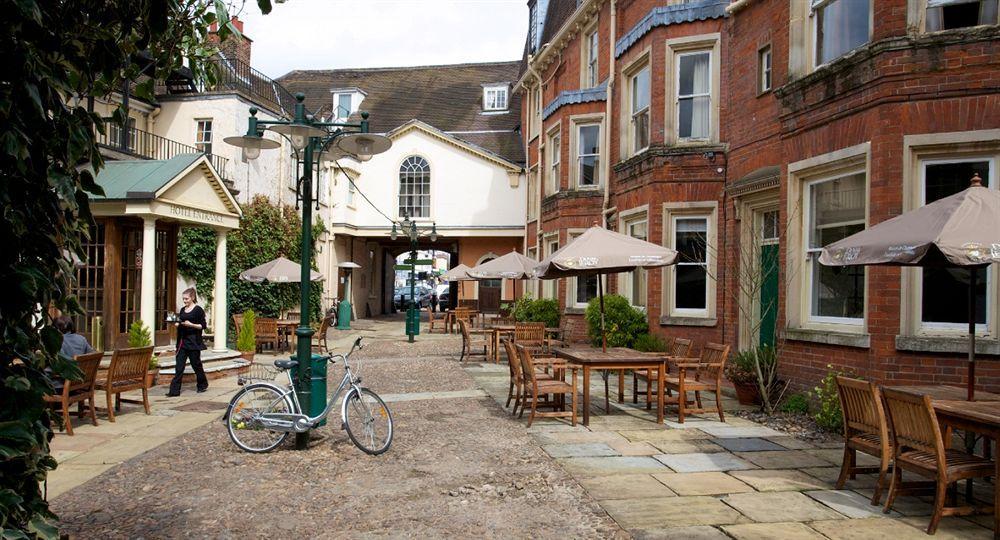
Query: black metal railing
x,y
232,74
145,145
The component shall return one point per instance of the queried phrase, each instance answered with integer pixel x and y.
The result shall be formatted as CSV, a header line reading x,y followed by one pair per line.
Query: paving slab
x,y
564,437
780,480
779,506
554,425
722,461
655,513
654,435
628,448
698,532
579,450
624,486
619,421
954,528
611,465
693,446
698,423
783,459
836,456
703,483
772,531
866,529
749,444
831,474
734,432
850,503
906,505
792,443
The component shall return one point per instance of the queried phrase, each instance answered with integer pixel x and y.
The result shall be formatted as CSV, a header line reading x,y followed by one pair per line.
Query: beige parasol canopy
x,y
600,251
280,270
961,230
459,273
510,266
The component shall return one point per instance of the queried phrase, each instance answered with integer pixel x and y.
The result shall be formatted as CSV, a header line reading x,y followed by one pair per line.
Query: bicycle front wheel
x,y
368,421
245,412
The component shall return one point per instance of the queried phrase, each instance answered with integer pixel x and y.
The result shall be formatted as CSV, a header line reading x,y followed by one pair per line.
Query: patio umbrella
x,y
961,230
600,251
459,273
280,270
510,266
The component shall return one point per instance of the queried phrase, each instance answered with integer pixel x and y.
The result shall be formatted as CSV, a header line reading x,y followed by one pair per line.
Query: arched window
x,y
415,187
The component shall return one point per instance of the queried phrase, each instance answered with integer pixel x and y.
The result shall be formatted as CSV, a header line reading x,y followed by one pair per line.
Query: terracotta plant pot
x,y
247,355
151,376
747,393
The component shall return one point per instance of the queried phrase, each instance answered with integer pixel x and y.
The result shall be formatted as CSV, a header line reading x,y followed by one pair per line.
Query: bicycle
x,y
262,414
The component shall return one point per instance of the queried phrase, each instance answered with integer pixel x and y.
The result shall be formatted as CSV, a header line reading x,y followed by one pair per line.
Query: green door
x,y
768,293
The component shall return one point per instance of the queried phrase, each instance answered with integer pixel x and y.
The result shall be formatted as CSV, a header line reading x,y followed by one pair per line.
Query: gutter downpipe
x,y
527,145
607,115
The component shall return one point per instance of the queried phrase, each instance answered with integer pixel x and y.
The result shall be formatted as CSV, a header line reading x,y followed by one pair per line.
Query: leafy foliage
x,y
758,366
622,322
196,258
740,367
138,335
246,336
795,403
828,414
545,310
58,54
649,343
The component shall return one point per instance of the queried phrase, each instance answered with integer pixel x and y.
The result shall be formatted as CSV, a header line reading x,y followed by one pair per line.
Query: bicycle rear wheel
x,y
243,417
368,421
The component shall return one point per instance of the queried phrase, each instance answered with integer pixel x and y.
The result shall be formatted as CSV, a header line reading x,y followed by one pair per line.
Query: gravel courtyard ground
x,y
457,467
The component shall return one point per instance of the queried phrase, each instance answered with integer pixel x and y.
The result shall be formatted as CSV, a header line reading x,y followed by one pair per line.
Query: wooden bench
x,y
127,372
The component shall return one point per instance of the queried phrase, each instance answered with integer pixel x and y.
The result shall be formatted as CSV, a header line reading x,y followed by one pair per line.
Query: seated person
x,y
72,345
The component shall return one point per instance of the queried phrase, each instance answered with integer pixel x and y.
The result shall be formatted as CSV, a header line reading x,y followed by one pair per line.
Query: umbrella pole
x,y
972,333
600,294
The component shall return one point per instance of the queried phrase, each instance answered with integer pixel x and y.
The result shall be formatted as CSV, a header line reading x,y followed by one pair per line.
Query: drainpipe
x,y
151,120
538,218
606,167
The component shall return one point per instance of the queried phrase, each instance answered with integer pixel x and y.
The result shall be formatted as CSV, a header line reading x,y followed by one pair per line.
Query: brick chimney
x,y
234,47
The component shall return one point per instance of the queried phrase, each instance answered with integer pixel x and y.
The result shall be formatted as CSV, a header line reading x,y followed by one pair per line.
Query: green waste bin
x,y
317,385
413,322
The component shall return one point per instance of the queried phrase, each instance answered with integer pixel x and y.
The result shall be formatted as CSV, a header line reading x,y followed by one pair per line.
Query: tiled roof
x,y
569,97
555,16
447,97
697,10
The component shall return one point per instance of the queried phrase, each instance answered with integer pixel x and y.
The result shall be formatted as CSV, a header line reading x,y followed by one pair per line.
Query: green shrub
x,y
796,403
545,310
622,322
246,337
740,368
138,335
649,343
828,415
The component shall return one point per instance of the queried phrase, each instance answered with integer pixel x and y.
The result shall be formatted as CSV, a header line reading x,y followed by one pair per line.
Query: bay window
x,y
639,109
690,284
588,155
950,14
554,152
550,287
694,95
633,284
840,26
835,209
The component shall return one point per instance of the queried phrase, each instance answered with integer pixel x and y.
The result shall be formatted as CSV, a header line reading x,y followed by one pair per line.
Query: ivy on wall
x,y
266,232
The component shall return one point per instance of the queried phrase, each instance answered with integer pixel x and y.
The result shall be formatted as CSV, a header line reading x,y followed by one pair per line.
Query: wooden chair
x,y
79,391
461,314
530,334
267,332
677,348
538,387
471,304
865,430
707,376
127,372
517,386
920,447
437,323
473,339
319,338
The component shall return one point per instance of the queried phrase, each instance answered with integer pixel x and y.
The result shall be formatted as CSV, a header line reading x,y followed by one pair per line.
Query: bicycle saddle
x,y
285,364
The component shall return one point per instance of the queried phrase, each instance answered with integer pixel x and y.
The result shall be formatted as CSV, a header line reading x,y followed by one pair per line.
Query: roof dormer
x,y
496,97
346,101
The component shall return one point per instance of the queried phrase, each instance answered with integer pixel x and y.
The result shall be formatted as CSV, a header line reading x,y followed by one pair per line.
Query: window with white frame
x,y
633,284
944,295
951,14
495,98
352,190
415,187
639,109
764,65
588,155
694,95
690,283
203,135
583,288
591,43
532,194
342,106
839,26
532,286
554,152
550,287
835,209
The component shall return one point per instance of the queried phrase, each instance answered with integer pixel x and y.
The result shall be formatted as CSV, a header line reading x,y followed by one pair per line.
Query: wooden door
x,y
489,295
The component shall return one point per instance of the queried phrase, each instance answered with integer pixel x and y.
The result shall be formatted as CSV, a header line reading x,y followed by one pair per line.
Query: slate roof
x,y
447,97
139,178
555,16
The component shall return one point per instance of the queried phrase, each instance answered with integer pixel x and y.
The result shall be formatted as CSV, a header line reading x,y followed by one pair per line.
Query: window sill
x,y
687,321
947,344
846,339
574,311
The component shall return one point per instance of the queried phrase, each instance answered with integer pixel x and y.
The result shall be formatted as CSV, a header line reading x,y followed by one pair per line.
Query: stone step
x,y
234,365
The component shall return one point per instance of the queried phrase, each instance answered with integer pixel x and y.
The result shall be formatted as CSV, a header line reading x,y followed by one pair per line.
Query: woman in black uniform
x,y
190,324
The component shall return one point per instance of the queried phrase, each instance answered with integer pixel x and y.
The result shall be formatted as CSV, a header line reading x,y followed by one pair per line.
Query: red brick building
x,y
749,134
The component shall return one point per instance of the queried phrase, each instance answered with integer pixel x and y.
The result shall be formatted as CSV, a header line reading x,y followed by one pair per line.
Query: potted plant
x,y
139,336
246,337
741,372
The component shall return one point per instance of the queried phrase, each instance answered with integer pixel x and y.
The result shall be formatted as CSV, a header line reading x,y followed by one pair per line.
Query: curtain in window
x,y
694,95
841,26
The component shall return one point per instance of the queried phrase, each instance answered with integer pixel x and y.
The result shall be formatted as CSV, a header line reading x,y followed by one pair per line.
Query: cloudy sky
x,y
321,34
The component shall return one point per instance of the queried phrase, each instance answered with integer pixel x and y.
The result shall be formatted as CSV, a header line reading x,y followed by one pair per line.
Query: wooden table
x,y
501,329
616,358
286,327
951,393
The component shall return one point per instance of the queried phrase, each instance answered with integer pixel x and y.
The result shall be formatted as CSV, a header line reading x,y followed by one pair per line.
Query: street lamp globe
x,y
364,145
298,134
251,152
252,144
393,235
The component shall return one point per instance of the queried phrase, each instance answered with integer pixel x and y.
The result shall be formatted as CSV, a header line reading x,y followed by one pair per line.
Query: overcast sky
x,y
323,34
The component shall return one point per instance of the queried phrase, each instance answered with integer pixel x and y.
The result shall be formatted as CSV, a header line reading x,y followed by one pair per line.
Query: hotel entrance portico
x,y
130,272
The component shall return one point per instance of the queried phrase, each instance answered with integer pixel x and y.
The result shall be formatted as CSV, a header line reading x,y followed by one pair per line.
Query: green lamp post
x,y
414,233
310,139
